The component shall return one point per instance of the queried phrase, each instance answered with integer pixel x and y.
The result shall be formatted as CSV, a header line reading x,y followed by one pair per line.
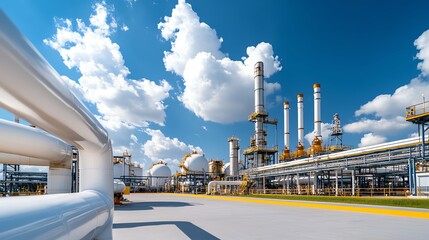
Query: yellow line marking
x,y
327,206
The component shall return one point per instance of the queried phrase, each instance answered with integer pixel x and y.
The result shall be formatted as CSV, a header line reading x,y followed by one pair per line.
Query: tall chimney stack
x,y
259,87
259,104
286,125
317,112
300,98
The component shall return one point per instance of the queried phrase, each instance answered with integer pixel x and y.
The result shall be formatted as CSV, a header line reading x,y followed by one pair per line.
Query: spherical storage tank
x,y
196,163
159,173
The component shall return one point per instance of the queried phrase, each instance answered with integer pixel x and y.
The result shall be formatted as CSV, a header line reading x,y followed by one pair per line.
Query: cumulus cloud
x,y
422,44
170,150
370,139
384,116
326,131
385,126
392,105
89,49
217,88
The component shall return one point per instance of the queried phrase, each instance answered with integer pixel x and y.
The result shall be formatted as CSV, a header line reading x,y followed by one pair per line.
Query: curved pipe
x,y
55,216
214,184
27,141
32,89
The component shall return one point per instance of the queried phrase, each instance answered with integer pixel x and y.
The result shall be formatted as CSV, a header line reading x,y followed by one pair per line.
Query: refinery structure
x,y
84,180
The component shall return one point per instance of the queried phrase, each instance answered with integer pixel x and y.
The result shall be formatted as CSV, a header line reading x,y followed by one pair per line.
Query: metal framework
x,y
418,114
382,164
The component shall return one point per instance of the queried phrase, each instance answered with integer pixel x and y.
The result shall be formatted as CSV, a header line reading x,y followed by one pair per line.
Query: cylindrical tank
x,y
300,98
159,174
136,169
317,112
196,163
119,169
233,156
286,125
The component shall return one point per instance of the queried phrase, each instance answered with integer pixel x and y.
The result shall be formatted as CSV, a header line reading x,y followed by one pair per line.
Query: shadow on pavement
x,y
192,231
149,205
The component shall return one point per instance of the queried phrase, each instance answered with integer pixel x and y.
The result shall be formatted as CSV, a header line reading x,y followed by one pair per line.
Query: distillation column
x,y
233,156
259,108
286,125
317,112
300,98
285,155
316,146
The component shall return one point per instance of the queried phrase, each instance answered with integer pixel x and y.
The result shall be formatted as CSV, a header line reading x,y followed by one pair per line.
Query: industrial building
x,y
83,184
396,168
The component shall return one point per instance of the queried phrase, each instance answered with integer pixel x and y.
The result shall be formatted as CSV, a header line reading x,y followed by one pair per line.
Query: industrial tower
x,y
336,135
418,114
258,154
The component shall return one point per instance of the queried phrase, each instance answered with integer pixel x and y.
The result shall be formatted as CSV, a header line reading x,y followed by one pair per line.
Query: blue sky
x,y
167,77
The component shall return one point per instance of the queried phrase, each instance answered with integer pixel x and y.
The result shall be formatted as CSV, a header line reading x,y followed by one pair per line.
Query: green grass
x,y
383,201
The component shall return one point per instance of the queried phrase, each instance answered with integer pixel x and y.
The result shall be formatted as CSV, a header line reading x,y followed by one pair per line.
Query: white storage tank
x,y
159,174
196,163
226,167
136,169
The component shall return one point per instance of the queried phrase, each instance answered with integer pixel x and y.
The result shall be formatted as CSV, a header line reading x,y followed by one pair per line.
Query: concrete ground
x,y
178,216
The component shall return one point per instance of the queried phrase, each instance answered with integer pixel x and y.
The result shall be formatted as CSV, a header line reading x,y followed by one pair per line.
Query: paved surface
x,y
176,216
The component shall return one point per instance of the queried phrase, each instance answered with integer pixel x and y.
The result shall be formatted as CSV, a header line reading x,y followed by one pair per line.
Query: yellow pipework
x,y
300,152
316,147
285,155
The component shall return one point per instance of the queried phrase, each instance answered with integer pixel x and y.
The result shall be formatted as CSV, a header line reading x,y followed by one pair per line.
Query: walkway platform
x,y
181,216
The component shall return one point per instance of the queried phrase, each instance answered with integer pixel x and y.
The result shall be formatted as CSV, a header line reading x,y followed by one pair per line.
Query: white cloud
x,y
125,28
414,134
326,131
170,150
422,44
131,2
392,105
370,139
217,88
385,115
134,138
120,101
384,126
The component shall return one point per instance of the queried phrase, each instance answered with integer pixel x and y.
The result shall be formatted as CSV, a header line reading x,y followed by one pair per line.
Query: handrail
x,y
31,89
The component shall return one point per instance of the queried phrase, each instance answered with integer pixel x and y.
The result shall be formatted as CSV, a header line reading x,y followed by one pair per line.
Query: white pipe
x,y
59,180
55,216
6,158
317,112
233,156
22,140
214,184
300,98
286,125
33,90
